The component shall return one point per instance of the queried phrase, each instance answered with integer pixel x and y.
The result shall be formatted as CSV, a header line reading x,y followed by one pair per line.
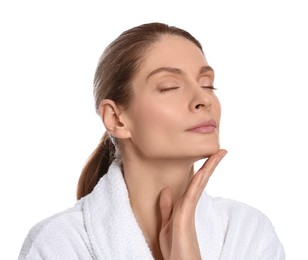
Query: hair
x,y
113,80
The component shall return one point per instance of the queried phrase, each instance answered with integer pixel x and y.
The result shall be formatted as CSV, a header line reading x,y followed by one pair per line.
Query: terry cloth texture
x,y
102,226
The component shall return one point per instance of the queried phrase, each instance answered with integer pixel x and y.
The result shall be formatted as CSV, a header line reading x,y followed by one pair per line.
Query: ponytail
x,y
96,166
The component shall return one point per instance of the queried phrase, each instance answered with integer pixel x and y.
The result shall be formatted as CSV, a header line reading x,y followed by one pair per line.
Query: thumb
x,y
165,205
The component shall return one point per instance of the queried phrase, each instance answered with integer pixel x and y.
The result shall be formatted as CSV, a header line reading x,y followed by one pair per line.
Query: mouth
x,y
205,127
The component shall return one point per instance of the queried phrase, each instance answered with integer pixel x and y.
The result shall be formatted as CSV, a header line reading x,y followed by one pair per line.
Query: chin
x,y
207,151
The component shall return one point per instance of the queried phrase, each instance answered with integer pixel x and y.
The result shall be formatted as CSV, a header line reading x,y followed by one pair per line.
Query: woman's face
x,y
175,112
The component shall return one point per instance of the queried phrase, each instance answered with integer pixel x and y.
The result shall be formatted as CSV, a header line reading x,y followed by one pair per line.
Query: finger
x,y
165,205
200,180
209,166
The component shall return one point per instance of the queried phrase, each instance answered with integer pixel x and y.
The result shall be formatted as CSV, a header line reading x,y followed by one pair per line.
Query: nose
x,y
202,99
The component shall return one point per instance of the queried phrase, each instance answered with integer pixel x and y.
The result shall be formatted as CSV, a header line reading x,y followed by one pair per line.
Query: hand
x,y
178,238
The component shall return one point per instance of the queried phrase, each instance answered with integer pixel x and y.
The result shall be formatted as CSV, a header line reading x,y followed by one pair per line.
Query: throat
x,y
144,182
149,220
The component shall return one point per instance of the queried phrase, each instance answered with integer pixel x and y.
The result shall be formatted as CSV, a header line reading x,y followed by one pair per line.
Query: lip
x,y
205,127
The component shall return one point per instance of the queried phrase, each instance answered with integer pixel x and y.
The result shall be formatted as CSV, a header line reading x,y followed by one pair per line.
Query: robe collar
x,y
114,232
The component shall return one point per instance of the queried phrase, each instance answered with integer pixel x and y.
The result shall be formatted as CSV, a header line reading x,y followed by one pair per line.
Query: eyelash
x,y
167,89
172,88
209,87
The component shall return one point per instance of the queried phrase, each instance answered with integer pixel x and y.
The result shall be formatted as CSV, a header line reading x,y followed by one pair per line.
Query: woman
x,y
139,197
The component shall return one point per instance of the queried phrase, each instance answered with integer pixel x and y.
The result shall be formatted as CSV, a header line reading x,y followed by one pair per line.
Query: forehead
x,y
173,51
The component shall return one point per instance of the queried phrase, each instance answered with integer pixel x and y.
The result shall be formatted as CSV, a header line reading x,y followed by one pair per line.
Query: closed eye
x,y
209,87
167,89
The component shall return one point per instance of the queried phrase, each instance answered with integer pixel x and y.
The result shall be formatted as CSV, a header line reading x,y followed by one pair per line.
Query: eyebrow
x,y
205,69
177,71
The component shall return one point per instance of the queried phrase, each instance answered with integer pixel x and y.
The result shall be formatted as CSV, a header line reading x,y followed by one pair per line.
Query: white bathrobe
x,y
102,226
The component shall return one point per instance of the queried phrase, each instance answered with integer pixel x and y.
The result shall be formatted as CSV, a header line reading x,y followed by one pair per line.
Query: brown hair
x,y
113,77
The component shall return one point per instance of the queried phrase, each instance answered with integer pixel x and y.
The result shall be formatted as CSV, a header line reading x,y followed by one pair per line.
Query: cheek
x,y
216,108
154,125
156,118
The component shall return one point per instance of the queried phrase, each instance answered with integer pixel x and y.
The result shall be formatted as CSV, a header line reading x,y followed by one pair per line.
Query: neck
x,y
148,178
145,180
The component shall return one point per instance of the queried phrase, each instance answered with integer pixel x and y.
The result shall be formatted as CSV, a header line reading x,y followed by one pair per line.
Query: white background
x,y
48,54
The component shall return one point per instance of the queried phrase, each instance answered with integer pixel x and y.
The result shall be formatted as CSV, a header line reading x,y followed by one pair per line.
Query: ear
x,y
111,116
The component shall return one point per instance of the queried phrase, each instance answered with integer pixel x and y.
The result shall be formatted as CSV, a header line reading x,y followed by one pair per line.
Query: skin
x,y
157,150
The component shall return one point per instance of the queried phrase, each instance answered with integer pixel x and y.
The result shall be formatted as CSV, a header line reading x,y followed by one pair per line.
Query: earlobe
x,y
111,116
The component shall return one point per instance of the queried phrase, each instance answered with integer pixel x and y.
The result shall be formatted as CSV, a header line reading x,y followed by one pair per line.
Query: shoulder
x,y
49,237
239,215
246,228
235,210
